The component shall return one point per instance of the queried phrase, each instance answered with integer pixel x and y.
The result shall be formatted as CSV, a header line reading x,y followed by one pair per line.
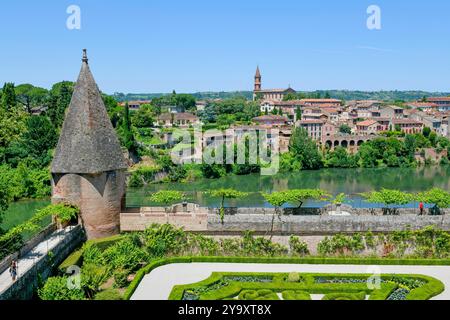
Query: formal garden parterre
x,y
300,286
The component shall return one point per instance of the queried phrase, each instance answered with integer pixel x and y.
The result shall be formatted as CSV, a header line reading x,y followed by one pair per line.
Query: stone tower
x,y
88,169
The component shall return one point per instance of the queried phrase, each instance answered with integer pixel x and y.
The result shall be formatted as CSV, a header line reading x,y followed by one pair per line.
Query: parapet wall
x,y
191,220
321,225
306,221
25,286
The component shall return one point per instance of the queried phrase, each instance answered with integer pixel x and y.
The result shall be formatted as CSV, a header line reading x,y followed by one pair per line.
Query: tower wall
x,y
99,197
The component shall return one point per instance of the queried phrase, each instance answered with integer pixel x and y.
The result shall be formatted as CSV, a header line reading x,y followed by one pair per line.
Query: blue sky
x,y
199,45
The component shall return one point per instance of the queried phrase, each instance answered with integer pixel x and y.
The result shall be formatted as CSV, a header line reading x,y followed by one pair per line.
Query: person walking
x,y
13,270
421,208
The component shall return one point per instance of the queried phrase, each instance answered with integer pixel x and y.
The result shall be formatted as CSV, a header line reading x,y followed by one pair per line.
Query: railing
x,y
27,247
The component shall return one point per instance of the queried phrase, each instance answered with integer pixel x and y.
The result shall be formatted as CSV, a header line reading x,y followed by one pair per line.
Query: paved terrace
x,y
158,284
35,255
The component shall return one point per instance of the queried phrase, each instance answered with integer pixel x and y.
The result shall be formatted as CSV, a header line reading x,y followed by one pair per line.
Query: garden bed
x,y
300,286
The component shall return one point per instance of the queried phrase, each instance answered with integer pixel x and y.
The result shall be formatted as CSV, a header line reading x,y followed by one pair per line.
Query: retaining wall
x,y
26,284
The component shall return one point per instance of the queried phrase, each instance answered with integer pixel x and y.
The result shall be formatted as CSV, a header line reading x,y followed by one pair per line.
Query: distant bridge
x,y
349,142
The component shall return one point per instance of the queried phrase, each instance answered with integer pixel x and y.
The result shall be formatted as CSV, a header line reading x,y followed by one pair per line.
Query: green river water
x,y
335,181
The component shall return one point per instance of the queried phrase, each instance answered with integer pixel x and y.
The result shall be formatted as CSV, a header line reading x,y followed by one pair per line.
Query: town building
x,y
322,103
271,120
443,103
182,120
369,127
313,128
392,112
135,105
407,126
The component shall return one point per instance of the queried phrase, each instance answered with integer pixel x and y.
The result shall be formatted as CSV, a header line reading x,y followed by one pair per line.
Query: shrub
x,y
92,277
120,278
293,277
63,212
263,294
109,295
163,239
345,296
297,246
56,288
92,254
295,295
125,254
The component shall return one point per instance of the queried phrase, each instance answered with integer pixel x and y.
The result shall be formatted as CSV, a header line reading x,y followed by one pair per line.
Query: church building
x,y
268,94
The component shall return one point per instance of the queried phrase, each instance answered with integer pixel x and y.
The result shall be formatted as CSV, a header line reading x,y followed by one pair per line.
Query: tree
x,y
340,158
389,198
438,197
60,96
8,99
126,132
113,109
144,117
426,132
39,138
31,96
300,196
166,197
277,200
298,113
185,102
5,198
305,149
345,129
226,194
410,145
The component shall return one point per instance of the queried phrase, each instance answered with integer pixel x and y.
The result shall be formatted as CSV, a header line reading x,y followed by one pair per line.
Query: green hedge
x,y
296,295
432,288
149,268
345,296
75,259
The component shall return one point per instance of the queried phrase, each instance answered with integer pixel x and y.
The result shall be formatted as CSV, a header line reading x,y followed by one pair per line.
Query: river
x,y
334,181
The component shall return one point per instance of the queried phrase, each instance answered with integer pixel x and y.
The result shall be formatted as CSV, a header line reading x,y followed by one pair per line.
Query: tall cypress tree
x,y
128,137
8,99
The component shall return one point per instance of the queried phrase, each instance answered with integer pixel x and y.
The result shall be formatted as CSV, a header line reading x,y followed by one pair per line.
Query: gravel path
x,y
158,284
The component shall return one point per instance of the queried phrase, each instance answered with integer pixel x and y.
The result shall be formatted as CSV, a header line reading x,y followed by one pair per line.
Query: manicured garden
x,y
113,268
300,286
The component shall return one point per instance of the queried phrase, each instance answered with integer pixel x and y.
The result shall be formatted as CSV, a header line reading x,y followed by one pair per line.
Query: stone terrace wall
x,y
304,221
323,211
320,225
194,219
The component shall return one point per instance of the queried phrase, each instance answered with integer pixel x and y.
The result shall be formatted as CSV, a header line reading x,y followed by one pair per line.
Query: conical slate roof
x,y
88,143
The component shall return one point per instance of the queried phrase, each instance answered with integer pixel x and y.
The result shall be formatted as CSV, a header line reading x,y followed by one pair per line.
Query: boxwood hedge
x,y
432,288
